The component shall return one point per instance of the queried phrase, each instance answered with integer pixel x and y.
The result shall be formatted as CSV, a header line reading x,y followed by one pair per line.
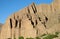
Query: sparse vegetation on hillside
x,y
50,36
30,38
44,36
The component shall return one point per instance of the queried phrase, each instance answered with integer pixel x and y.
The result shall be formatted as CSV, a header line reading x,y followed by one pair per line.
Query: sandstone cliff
x,y
33,21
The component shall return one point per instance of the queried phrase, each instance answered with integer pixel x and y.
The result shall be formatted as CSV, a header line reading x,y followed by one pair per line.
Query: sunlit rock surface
x,y
33,21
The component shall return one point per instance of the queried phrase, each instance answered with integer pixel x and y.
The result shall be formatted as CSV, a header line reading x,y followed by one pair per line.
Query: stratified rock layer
x,y
33,21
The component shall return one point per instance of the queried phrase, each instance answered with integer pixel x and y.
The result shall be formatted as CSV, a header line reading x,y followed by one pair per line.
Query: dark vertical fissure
x,y
16,23
11,26
34,8
30,18
39,18
10,23
28,10
36,22
32,23
27,16
19,23
46,19
43,24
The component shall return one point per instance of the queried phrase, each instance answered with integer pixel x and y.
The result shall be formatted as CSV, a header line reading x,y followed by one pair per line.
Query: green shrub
x,y
38,38
56,33
30,38
9,38
43,35
21,37
50,36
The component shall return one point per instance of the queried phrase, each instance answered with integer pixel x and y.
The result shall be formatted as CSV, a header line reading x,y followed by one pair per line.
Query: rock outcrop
x,y
33,21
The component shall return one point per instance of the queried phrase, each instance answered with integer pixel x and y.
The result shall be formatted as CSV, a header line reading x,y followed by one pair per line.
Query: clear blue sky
x,y
7,7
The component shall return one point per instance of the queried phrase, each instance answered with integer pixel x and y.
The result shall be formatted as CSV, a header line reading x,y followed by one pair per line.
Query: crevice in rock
x,y
10,23
46,18
36,22
39,18
20,23
43,24
29,16
16,23
28,9
34,8
32,23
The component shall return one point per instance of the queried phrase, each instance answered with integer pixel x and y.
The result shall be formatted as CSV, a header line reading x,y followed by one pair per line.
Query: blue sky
x,y
8,7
